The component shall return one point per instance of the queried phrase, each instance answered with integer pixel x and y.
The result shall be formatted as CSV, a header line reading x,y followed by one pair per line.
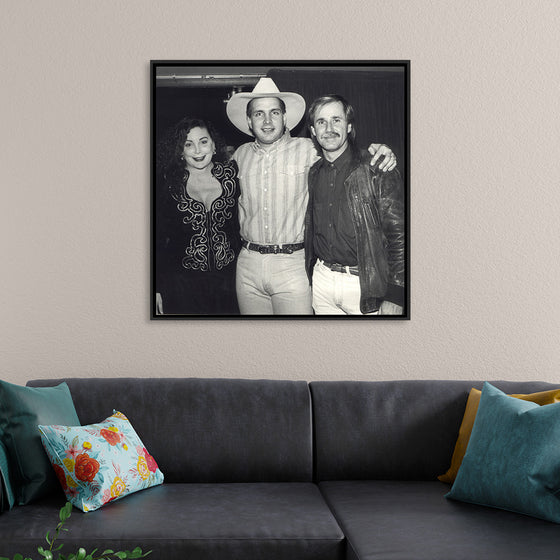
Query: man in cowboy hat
x,y
271,276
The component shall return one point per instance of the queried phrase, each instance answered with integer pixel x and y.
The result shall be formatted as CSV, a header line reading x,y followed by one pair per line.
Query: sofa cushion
x,y
513,457
541,398
411,520
276,521
7,496
99,463
209,430
21,410
399,430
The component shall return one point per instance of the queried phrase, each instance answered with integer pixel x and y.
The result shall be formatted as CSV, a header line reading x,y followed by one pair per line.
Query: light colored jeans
x,y
273,284
335,293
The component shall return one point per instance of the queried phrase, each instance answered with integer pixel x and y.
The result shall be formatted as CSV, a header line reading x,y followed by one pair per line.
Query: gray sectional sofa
x,y
262,469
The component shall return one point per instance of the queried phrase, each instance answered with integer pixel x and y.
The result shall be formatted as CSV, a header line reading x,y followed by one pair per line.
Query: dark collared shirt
x,y
334,239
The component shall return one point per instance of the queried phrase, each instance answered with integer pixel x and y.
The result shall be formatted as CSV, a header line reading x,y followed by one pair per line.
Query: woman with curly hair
x,y
196,223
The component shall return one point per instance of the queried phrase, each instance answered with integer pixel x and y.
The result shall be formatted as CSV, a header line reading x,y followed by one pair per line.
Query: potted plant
x,y
53,553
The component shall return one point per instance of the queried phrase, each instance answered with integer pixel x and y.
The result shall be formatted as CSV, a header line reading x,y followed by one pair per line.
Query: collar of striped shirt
x,y
284,139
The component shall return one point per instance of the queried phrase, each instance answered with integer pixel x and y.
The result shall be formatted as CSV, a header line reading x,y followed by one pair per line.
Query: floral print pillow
x,y
99,463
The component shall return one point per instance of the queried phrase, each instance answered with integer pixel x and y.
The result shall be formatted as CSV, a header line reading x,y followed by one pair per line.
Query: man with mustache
x,y
271,277
355,230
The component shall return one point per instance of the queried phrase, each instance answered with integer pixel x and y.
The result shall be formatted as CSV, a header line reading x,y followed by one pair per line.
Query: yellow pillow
x,y
542,398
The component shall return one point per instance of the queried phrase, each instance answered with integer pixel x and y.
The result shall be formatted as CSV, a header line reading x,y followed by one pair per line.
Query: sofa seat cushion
x,y
192,521
412,520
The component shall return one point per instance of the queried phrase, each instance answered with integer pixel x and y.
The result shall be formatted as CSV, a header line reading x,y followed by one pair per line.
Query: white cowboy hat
x,y
236,108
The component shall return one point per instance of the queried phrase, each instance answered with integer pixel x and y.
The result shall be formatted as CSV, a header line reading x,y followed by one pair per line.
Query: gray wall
x,y
485,196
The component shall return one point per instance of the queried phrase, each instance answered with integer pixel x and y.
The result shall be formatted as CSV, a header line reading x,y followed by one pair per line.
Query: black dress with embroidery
x,y
196,248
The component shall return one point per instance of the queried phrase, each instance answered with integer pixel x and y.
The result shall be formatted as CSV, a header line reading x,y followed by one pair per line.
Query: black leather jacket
x,y
376,202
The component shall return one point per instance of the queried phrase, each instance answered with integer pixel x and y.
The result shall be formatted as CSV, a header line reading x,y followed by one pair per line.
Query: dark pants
x,y
201,293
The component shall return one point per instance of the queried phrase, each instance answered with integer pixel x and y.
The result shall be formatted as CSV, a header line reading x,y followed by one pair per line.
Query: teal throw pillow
x,y
512,460
21,410
6,489
100,463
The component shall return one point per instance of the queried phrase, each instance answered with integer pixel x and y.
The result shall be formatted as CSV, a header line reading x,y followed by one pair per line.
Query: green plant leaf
x,y
18,557
65,512
121,555
46,554
108,551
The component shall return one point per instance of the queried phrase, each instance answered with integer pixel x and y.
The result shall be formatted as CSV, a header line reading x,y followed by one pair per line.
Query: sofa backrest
x,y
208,430
400,430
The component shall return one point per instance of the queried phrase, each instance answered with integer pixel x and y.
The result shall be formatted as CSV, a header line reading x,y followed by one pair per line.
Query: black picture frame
x,y
378,90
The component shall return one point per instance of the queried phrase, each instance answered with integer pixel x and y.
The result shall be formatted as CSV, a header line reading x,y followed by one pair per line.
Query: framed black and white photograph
x,y
280,189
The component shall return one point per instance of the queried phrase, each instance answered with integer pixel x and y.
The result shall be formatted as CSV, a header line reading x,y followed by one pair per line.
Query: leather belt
x,y
288,248
335,267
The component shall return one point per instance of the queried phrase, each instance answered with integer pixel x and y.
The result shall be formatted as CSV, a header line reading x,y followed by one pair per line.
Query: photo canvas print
x,y
280,189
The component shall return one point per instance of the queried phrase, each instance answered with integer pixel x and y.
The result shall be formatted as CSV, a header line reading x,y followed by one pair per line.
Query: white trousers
x,y
273,284
335,293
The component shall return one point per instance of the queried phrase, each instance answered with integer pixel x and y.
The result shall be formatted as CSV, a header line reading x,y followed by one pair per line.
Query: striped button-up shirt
x,y
274,192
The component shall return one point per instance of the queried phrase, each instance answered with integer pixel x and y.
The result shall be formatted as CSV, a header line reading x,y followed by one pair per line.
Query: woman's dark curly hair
x,y
169,161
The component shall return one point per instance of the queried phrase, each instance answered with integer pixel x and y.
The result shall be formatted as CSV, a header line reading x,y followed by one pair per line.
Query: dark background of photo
x,y
377,91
